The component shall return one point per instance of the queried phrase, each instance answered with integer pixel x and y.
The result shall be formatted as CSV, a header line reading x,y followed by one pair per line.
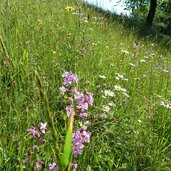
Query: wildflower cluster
x,y
121,77
112,95
108,95
53,166
79,138
120,89
37,132
82,100
79,103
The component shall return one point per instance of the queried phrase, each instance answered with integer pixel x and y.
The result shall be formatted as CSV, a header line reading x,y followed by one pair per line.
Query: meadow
x,y
129,76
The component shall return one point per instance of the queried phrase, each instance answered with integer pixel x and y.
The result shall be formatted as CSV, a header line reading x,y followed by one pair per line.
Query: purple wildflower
x,y
34,132
63,90
74,166
80,137
80,97
78,149
69,110
39,165
76,138
53,166
75,91
89,98
86,136
83,115
83,106
84,100
69,78
84,128
70,99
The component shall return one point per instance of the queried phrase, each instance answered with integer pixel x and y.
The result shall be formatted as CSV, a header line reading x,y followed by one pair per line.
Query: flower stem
x,y
49,119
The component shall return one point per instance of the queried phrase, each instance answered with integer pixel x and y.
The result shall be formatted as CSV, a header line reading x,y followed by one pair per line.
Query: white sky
x,y
110,5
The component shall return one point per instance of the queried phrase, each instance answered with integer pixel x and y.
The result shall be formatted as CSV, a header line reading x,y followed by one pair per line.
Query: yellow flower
x,y
69,8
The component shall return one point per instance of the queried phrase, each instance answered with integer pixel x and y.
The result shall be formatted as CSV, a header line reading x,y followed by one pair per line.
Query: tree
x,y
142,5
150,9
151,13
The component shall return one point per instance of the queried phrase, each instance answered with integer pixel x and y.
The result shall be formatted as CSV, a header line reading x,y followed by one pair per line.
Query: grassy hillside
x,y
130,131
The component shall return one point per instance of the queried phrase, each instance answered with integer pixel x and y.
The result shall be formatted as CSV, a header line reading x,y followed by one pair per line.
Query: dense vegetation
x,y
156,13
130,120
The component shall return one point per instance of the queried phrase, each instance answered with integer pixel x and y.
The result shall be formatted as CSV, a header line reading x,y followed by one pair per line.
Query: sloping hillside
x,y
130,119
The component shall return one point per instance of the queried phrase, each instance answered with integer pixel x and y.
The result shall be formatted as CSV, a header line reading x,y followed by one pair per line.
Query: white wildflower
x,y
106,108
133,65
139,121
94,44
43,127
109,93
111,104
120,77
164,70
125,94
125,51
136,78
142,61
165,104
102,76
119,88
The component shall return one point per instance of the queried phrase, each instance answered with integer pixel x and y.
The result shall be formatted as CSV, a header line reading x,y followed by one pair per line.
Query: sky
x,y
114,6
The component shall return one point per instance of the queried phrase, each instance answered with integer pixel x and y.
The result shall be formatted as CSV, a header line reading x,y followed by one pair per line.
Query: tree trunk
x,y
151,14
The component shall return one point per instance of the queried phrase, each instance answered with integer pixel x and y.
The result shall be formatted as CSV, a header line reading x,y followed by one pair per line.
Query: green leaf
x,y
67,149
68,143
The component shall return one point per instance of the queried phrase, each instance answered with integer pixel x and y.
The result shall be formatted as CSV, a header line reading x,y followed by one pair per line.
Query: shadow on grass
x,y
138,26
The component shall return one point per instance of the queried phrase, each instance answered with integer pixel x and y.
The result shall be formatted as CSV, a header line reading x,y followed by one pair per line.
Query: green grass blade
x,y
68,143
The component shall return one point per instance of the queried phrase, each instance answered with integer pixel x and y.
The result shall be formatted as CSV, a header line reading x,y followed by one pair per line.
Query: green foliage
x,y
65,159
162,19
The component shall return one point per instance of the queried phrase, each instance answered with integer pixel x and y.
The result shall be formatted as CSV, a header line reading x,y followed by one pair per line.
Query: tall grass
x,y
41,35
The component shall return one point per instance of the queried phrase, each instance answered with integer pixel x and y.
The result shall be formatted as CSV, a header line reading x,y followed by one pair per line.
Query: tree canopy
x,y
159,9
